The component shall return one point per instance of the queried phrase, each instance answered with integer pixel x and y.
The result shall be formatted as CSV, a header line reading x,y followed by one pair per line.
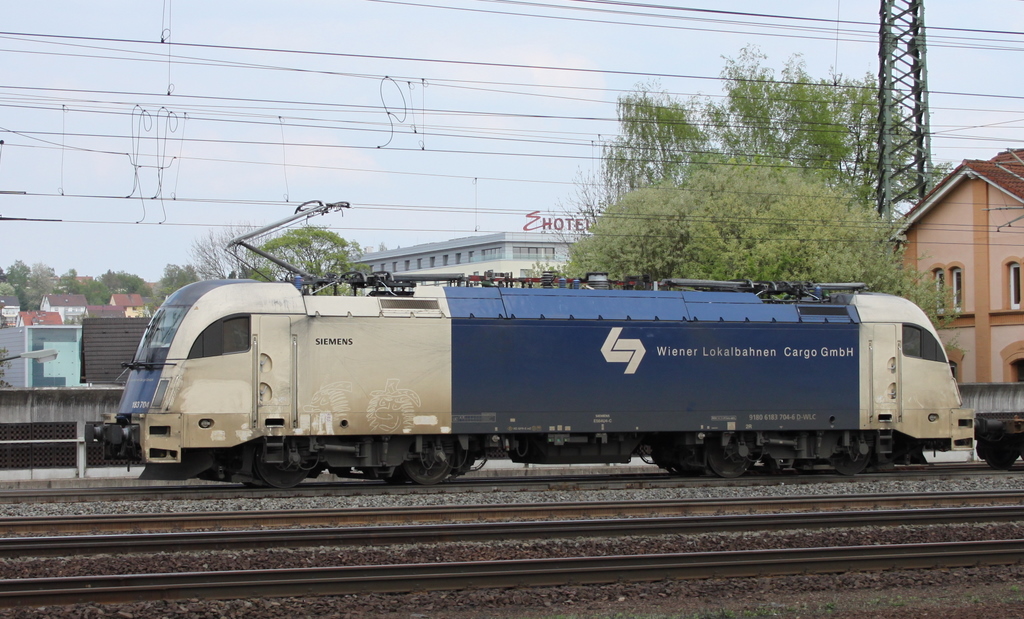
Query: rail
x,y
502,574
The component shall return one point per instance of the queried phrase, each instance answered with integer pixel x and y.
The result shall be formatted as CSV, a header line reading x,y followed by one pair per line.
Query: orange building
x,y
968,233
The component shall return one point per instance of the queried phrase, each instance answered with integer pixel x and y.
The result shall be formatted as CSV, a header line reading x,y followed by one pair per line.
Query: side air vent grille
x,y
409,304
823,310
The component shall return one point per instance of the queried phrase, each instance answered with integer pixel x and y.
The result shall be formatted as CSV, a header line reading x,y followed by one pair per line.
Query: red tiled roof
x,y
127,300
40,318
1005,170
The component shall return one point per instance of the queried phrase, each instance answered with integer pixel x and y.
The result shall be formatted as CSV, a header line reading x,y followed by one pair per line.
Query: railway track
x,y
78,545
68,525
490,574
511,482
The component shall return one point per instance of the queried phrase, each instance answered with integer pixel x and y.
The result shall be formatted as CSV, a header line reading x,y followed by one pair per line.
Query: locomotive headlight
x,y
933,417
205,423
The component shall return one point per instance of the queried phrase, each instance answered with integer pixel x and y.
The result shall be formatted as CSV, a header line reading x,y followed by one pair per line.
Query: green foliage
x,y
17,276
317,251
122,282
39,284
95,292
174,278
7,290
749,222
828,126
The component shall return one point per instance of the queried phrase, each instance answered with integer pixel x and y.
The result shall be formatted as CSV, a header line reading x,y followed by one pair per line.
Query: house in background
x,y
71,307
133,305
28,319
9,308
968,232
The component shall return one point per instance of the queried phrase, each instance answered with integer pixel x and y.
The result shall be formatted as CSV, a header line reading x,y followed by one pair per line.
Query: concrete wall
x,y
53,404
42,434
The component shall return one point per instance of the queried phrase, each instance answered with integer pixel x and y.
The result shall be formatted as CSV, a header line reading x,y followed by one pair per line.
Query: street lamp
x,y
42,356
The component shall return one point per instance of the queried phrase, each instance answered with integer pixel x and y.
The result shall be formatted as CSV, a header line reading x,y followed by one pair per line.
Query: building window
x,y
470,257
953,368
433,260
1018,371
444,260
491,254
458,258
419,263
406,265
956,276
533,253
394,266
1014,285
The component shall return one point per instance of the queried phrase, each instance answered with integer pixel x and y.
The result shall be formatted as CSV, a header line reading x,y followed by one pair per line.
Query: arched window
x,y
940,286
956,276
1014,269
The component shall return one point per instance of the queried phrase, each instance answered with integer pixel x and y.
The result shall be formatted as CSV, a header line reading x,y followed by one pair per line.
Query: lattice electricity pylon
x,y
904,143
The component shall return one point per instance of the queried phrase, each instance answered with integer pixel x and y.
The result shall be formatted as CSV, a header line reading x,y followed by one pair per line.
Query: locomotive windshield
x,y
165,323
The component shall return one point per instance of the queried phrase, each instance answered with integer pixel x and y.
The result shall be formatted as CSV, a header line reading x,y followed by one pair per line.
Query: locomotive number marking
x,y
783,417
140,404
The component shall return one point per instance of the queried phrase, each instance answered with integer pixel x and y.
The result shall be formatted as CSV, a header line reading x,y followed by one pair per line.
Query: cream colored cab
x,y
906,383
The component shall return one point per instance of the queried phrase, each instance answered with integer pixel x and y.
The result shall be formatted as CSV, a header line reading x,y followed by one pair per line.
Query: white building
x,y
518,253
9,308
71,307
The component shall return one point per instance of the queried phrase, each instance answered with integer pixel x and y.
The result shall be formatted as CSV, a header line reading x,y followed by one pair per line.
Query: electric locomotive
x,y
253,382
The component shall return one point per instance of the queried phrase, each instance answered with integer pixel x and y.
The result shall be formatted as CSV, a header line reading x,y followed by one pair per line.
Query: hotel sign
x,y
535,221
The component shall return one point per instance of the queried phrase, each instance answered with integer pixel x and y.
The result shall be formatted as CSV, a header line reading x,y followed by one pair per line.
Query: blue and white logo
x,y
630,352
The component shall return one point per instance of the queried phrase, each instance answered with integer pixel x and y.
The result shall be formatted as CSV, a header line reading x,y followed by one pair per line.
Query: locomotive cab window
x,y
920,343
223,337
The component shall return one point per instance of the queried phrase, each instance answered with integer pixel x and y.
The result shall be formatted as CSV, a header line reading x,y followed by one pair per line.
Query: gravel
x,y
967,593
497,497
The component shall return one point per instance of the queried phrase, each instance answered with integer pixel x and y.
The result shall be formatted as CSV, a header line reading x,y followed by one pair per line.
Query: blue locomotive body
x,y
629,361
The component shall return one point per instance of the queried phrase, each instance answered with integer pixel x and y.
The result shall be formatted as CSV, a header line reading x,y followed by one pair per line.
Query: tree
x,y
17,276
827,126
96,292
210,258
68,283
174,278
317,251
39,284
125,283
749,222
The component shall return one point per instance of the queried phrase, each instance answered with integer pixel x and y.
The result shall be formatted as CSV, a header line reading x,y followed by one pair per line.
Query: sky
x,y
132,129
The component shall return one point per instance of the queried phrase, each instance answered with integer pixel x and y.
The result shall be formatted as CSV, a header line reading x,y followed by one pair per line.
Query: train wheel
x,y
1001,459
724,460
423,474
277,477
847,464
